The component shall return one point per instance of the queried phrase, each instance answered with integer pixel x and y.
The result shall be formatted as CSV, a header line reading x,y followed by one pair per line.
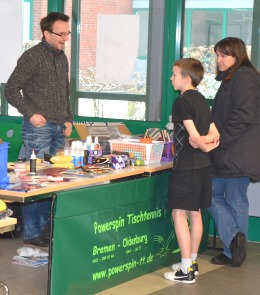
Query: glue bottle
x,y
33,162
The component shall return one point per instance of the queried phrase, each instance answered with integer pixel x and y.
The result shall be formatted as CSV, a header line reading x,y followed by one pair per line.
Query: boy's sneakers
x,y
194,266
176,266
181,277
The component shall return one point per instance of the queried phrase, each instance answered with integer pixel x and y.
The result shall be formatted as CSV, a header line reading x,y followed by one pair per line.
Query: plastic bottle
x,y
96,143
88,142
33,162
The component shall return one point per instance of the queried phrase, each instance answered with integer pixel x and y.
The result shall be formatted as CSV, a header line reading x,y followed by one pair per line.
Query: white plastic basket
x,y
149,152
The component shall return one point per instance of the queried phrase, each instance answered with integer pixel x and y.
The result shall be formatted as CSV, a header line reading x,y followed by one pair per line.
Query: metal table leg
x,y
214,244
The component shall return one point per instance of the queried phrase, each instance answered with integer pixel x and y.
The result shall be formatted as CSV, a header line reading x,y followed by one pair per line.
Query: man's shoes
x,y
238,249
194,266
181,277
221,259
39,242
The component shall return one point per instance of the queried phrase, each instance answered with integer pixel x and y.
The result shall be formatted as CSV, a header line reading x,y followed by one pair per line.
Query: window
x,y
32,12
122,40
207,22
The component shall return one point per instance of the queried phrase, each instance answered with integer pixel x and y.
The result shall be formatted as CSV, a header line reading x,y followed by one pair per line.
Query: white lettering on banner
x,y
143,216
108,226
131,219
129,241
104,249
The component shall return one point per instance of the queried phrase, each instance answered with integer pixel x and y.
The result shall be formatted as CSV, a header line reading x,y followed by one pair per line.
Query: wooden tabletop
x,y
79,182
7,224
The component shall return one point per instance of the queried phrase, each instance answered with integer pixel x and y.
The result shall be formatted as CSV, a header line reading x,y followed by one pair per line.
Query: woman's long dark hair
x,y
234,47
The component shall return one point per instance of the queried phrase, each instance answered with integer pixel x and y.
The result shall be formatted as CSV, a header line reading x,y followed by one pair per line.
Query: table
x,y
7,224
109,229
82,182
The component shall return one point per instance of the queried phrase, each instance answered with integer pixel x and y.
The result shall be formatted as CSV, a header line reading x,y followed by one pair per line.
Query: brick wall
x,y
90,9
39,11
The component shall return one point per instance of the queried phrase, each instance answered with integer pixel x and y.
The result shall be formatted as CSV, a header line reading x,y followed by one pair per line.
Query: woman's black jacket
x,y
236,113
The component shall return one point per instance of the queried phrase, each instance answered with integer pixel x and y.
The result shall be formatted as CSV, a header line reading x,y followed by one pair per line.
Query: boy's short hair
x,y
191,67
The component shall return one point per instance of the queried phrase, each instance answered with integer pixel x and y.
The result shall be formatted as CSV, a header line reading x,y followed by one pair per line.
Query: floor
x,y
213,280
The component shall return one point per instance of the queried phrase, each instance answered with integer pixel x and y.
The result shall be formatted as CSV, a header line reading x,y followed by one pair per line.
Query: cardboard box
x,y
104,132
107,130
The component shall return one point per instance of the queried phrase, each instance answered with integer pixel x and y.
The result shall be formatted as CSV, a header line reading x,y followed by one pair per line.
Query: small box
x,y
119,161
95,153
104,132
168,151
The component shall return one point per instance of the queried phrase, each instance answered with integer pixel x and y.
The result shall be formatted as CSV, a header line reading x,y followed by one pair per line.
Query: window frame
x,y
171,52
174,13
255,55
75,94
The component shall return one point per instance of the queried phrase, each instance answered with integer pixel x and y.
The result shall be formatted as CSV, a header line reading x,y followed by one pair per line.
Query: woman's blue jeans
x,y
229,208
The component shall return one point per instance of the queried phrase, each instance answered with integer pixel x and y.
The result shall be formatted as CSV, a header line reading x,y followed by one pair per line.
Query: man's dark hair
x,y
47,22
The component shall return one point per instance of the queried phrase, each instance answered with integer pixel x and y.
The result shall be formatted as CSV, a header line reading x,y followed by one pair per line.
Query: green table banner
x,y
108,234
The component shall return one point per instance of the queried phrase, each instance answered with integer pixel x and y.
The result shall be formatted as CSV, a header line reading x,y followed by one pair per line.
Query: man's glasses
x,y
60,34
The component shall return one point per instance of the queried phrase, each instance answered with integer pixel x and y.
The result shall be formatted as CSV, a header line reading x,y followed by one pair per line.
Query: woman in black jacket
x,y
236,161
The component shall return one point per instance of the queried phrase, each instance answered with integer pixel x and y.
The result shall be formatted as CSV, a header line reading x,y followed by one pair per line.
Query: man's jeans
x,y
35,216
229,208
47,139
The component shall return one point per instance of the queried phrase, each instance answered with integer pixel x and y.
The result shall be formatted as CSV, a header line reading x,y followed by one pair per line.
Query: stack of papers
x,y
30,261
30,256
